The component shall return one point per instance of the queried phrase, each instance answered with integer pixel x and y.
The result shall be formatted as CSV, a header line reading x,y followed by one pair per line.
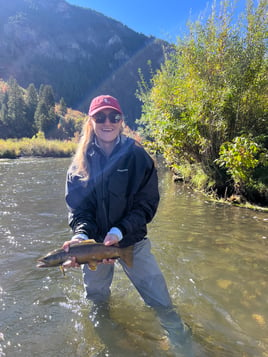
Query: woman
x,y
112,193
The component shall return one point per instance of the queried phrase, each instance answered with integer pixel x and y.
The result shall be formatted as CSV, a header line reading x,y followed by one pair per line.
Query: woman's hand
x,y
110,239
70,263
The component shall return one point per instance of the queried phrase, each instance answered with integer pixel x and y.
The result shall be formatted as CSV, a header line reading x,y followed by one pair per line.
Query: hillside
x,y
78,51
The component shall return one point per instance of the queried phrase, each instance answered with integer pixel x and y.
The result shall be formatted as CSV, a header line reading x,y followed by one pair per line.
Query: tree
x,y
25,112
16,111
45,117
46,95
211,89
4,116
3,120
62,107
31,101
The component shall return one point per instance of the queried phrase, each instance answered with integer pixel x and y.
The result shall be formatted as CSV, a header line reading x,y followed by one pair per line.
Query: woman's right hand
x,y
71,262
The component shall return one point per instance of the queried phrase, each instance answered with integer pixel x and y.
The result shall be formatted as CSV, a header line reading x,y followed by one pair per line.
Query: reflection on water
x,y
213,256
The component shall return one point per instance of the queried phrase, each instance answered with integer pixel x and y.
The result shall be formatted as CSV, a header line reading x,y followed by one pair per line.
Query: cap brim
x,y
104,107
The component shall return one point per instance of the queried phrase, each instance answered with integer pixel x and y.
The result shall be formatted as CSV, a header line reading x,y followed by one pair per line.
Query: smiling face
x,y
108,131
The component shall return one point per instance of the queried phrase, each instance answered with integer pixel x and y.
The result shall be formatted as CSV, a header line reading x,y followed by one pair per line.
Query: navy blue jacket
x,y
122,192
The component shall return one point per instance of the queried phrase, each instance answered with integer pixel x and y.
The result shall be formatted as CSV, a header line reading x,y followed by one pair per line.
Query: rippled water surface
x,y
214,258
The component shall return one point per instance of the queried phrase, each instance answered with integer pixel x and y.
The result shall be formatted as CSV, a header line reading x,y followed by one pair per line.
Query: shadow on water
x,y
214,258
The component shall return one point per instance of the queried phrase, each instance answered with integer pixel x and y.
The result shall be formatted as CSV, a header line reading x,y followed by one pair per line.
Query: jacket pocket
x,y
118,183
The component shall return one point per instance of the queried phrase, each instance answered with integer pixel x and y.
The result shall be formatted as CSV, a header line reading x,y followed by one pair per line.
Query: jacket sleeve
x,y
144,203
80,203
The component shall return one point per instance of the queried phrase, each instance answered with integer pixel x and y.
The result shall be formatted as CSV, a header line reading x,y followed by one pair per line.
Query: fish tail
x,y
127,255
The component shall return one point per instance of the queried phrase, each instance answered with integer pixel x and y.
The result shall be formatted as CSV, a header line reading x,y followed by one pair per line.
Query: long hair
x,y
80,162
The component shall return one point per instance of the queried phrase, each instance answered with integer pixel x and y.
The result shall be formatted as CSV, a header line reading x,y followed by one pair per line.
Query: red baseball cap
x,y
104,102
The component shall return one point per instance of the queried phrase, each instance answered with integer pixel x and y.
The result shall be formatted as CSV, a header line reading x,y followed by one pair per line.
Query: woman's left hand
x,y
110,239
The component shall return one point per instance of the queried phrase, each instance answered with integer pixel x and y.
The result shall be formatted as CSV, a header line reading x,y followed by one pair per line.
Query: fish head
x,y
52,259
41,263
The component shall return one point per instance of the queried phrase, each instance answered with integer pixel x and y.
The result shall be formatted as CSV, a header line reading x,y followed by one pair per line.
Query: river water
x,y
213,256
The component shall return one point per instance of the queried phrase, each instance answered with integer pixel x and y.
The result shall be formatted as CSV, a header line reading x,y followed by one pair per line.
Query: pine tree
x,y
31,105
3,121
46,95
45,117
41,116
16,119
63,107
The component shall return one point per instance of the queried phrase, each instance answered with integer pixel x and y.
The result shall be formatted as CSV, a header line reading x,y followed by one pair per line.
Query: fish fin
x,y
127,255
62,270
88,241
92,265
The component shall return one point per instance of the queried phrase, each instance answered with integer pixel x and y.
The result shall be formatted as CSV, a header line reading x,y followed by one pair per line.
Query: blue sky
x,y
163,19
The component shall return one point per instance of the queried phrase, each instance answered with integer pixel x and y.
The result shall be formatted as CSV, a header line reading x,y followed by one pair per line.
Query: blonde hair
x,y
80,161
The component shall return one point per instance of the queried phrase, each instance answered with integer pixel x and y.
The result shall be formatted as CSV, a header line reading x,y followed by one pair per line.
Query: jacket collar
x,y
121,139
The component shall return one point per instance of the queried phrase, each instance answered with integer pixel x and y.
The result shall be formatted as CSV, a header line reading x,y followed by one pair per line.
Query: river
x,y
213,256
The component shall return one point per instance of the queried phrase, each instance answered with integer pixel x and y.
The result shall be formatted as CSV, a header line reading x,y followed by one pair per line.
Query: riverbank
x,y
39,146
247,205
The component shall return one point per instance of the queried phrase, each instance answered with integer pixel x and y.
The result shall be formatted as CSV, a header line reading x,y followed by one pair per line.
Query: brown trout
x,y
86,252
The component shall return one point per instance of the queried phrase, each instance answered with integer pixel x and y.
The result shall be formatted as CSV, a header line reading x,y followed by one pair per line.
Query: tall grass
x,y
39,146
13,148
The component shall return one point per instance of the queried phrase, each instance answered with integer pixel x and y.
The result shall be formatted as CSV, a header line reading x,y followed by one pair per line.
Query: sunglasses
x,y
100,117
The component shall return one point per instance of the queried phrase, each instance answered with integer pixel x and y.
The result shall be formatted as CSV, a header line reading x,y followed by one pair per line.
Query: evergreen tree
x,y
41,116
51,127
46,95
63,107
45,118
4,114
31,105
16,119
3,121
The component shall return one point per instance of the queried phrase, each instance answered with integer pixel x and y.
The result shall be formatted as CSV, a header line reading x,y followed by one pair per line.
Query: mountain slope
x,y
80,52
